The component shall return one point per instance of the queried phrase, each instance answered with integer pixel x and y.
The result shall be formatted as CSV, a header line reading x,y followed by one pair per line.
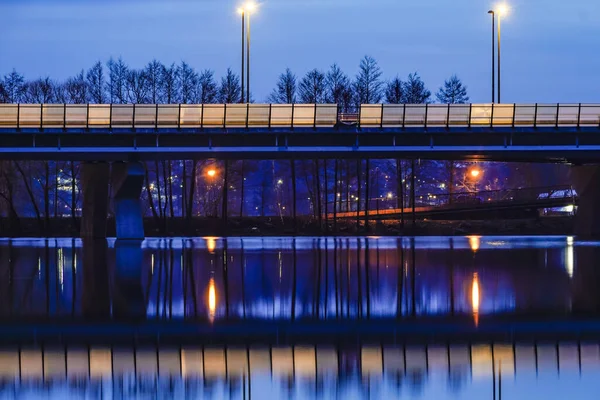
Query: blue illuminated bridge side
x,y
503,132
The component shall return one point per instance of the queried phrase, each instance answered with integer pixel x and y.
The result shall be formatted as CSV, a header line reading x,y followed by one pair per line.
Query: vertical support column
x,y
127,180
94,185
586,181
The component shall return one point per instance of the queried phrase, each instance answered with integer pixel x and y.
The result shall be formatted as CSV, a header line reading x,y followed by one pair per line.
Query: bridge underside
x,y
570,145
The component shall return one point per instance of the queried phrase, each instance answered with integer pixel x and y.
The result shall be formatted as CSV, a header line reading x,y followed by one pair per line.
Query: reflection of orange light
x,y
212,299
475,173
475,297
211,244
211,173
475,243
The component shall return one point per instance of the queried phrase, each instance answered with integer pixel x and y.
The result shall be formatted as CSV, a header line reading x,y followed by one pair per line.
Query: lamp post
x,y
243,13
502,10
493,54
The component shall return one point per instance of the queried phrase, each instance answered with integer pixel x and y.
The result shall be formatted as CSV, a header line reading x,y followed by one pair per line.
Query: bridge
x,y
526,132
466,203
127,134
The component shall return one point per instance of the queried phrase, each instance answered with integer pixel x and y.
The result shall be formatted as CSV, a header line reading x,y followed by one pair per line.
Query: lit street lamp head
x,y
475,173
502,9
211,173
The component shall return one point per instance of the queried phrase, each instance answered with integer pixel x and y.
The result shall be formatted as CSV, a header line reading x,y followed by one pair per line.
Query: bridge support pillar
x,y
586,181
94,185
127,180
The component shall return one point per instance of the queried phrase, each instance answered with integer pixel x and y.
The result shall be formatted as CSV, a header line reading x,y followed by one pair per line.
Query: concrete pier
x,y
586,181
94,185
127,180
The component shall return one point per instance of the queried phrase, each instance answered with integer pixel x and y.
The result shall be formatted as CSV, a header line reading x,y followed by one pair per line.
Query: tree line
x,y
156,83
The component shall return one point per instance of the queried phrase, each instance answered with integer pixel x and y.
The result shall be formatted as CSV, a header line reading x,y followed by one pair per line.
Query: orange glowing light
x,y
212,299
475,297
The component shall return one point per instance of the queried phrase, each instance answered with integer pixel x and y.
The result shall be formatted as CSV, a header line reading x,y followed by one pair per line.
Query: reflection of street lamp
x,y
212,300
475,298
211,173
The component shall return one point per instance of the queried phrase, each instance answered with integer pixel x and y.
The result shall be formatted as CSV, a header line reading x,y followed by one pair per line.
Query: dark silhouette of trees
x,y
415,91
285,89
368,83
394,91
312,88
339,88
96,83
453,92
230,90
14,87
207,87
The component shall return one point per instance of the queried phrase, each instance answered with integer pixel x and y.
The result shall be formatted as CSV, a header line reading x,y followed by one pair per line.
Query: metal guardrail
x,y
296,115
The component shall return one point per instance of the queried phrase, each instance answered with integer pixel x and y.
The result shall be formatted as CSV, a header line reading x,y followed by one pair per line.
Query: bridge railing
x,y
296,115
167,115
479,115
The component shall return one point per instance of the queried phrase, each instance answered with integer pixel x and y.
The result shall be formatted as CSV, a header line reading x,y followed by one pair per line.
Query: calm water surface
x,y
214,279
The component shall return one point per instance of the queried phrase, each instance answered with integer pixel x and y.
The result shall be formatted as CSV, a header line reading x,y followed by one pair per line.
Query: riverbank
x,y
272,226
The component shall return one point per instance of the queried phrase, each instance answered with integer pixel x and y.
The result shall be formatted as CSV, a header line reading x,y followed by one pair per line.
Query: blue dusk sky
x,y
550,49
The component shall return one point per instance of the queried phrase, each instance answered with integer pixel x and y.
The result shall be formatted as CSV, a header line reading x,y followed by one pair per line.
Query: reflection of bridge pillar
x,y
128,295
95,295
94,185
586,180
127,180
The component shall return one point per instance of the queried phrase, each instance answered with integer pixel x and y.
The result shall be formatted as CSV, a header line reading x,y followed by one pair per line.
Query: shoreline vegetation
x,y
272,226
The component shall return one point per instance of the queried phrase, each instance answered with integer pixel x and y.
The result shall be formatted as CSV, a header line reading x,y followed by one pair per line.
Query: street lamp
x,y
493,54
246,10
501,10
243,14
211,173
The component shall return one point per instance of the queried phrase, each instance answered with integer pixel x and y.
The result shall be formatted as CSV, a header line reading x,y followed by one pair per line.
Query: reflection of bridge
x,y
268,372
146,131
463,203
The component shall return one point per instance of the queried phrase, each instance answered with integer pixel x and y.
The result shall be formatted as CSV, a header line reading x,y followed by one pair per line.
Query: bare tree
x,y
117,81
40,91
207,87
453,92
285,90
415,91
339,88
14,87
96,83
394,91
153,74
138,89
188,81
368,82
312,88
169,84
230,90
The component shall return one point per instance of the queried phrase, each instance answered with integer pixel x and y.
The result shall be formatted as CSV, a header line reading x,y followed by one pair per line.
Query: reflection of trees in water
x,y
458,378
416,380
